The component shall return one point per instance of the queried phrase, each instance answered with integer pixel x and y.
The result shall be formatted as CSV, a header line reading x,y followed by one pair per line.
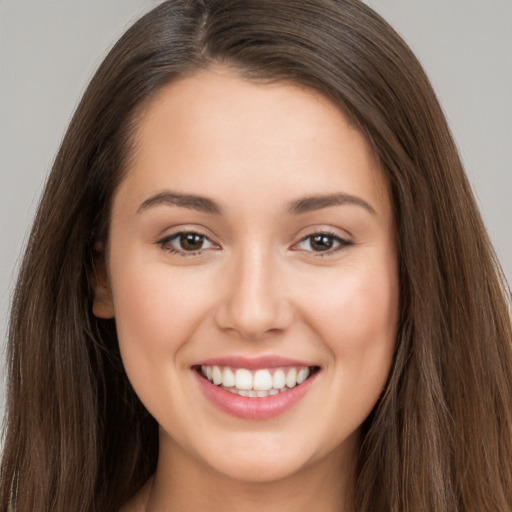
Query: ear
x,y
103,304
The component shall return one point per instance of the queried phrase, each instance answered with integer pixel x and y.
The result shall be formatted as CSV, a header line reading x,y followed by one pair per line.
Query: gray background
x,y
50,48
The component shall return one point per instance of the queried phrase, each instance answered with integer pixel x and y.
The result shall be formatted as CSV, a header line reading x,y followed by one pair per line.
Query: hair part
x,y
440,438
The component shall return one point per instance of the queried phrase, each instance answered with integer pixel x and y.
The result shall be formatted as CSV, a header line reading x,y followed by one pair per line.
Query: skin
x,y
257,287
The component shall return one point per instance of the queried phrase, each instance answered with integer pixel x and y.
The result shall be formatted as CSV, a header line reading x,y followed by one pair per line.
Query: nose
x,y
254,302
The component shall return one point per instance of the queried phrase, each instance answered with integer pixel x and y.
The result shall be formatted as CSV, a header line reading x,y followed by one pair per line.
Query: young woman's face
x,y
252,244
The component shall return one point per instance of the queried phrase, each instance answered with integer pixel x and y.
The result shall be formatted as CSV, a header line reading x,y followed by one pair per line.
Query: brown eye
x,y
322,243
186,243
191,241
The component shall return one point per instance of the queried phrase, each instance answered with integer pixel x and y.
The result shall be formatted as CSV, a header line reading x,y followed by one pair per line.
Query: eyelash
x,y
164,243
342,243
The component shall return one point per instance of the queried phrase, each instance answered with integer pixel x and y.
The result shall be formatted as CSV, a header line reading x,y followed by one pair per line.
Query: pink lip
x,y
259,408
253,363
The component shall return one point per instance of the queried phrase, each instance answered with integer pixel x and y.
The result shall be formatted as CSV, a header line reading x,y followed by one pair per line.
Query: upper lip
x,y
253,363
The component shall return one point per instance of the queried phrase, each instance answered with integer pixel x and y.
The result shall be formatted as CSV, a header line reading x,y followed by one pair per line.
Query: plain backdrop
x,y
50,48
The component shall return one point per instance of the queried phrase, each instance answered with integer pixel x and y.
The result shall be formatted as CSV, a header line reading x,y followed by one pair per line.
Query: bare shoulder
x,y
139,501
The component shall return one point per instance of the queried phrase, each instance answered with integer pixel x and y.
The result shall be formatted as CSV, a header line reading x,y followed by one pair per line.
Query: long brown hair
x,y
440,438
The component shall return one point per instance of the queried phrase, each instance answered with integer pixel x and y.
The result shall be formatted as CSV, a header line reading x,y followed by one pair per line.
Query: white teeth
x,y
228,378
216,375
243,379
259,383
252,393
291,378
279,379
302,375
262,380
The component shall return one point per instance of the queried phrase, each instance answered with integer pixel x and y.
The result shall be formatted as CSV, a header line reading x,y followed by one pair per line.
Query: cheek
x,y
356,318
156,310
352,313
357,309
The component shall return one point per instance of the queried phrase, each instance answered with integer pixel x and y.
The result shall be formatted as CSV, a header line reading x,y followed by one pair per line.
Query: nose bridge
x,y
255,302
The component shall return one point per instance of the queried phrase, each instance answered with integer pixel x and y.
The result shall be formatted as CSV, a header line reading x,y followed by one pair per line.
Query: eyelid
x,y
343,242
164,242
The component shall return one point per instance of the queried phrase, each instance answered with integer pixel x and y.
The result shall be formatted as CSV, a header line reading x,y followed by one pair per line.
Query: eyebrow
x,y
317,202
193,202
300,206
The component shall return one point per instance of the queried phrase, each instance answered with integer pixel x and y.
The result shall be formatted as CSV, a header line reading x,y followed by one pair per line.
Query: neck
x,y
182,483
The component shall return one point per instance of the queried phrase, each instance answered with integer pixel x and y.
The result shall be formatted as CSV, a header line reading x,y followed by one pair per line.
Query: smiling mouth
x,y
256,383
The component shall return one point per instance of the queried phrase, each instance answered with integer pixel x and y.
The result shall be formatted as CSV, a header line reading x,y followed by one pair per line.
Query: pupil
x,y
321,242
191,241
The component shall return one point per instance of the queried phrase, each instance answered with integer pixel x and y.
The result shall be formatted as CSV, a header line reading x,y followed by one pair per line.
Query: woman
x,y
258,279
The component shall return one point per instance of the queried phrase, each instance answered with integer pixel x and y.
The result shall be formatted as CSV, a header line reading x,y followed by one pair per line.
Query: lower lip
x,y
257,408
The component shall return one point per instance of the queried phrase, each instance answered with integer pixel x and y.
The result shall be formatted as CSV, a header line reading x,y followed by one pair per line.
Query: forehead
x,y
214,129
216,100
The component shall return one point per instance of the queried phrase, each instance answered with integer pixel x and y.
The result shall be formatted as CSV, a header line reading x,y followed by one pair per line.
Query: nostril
x,y
252,322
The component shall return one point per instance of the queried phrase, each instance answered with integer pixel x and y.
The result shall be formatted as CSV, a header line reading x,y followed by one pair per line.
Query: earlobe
x,y
103,305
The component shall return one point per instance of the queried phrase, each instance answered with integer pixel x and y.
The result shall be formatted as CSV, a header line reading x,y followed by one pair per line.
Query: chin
x,y
262,457
261,469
